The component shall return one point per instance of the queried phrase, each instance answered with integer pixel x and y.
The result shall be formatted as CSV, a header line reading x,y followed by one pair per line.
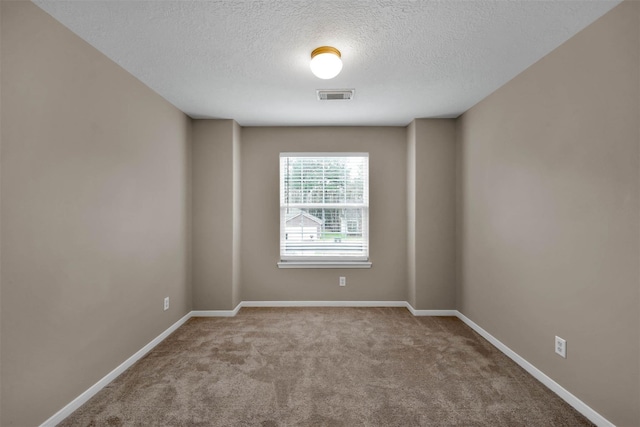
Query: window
x,y
324,210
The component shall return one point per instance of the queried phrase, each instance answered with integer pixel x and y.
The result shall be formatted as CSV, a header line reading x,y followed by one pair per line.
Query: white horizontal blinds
x,y
324,206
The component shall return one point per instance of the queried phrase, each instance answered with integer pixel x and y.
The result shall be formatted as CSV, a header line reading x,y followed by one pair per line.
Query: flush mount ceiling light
x,y
326,62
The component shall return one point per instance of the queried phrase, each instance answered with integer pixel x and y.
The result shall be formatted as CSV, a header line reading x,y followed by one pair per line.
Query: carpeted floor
x,y
325,367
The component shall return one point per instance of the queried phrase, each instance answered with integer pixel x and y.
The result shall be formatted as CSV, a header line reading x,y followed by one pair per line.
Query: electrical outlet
x,y
561,347
343,281
166,303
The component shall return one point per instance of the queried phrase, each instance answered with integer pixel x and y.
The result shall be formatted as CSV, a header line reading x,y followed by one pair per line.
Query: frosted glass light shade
x,y
326,62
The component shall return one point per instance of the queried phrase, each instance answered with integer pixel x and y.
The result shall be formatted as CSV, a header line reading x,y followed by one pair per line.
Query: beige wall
x,y
216,224
0,212
550,214
237,216
94,215
233,263
261,278
432,267
411,214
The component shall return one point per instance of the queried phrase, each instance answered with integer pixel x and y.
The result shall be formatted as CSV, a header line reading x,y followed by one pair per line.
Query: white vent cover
x,y
335,94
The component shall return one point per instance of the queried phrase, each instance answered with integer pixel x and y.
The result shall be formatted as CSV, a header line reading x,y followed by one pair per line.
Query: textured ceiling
x,y
249,60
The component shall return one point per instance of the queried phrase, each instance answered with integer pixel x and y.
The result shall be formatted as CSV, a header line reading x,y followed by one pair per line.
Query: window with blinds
x,y
324,206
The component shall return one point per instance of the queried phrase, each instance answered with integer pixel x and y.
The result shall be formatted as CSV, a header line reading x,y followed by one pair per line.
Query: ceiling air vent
x,y
335,94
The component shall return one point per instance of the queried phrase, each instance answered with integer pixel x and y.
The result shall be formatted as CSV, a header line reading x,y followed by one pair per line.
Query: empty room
x,y
320,213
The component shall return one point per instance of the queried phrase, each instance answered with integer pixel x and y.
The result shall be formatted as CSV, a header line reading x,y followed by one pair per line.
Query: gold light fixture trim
x,y
325,49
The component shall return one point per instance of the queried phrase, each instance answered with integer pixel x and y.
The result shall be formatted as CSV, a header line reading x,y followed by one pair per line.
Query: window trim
x,y
321,262
324,264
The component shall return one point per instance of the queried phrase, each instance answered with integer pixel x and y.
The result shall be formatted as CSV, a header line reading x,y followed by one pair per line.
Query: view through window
x,y
324,206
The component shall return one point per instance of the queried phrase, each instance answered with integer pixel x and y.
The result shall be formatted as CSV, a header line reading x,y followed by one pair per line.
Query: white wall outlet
x,y
166,303
343,281
561,347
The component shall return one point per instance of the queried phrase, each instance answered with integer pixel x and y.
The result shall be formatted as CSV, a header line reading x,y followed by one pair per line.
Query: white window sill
x,y
324,264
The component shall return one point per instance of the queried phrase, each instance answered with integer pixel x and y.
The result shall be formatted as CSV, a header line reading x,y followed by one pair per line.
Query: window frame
x,y
320,261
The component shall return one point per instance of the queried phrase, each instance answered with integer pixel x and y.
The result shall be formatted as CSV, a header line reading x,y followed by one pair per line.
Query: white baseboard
x,y
231,313
91,391
572,400
433,312
216,313
323,303
415,312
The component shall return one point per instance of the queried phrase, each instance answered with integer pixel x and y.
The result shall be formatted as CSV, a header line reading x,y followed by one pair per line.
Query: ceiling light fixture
x,y
326,62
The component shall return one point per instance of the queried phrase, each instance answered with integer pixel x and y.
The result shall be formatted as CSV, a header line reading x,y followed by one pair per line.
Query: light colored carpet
x,y
325,367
